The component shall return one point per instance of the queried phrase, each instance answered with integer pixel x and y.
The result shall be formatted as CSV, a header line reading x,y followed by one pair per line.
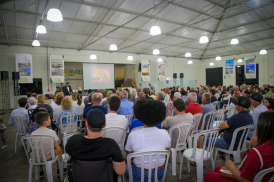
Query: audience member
x,y
150,113
133,96
93,147
201,92
227,98
236,89
245,93
47,100
223,91
193,107
41,100
32,102
67,108
151,87
141,95
86,100
269,103
161,97
78,101
104,97
152,94
207,107
177,95
114,92
212,93
28,96
96,100
183,94
57,104
52,95
146,91
112,118
126,106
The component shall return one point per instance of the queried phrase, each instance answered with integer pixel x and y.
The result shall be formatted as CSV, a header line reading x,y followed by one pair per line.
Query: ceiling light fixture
x,y
240,61
129,58
113,47
234,41
160,60
155,30
54,15
41,29
203,39
189,62
188,54
218,58
93,56
211,64
35,43
156,52
263,51
238,66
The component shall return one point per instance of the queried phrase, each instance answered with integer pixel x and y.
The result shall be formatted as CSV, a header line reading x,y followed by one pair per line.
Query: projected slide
x,y
98,76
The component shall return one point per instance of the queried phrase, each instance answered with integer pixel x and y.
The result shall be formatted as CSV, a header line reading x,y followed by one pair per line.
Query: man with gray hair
x,y
146,91
201,92
126,106
141,95
133,95
96,100
32,102
52,95
161,97
177,95
193,107
207,107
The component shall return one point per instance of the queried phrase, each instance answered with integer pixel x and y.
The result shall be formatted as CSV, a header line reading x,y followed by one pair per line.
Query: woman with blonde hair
x,y
41,100
67,108
152,94
104,97
78,101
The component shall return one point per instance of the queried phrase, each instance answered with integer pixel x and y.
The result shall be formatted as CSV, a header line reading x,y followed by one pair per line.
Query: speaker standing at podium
x,y
67,87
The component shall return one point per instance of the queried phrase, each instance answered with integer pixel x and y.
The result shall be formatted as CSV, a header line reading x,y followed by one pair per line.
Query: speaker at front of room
x,y
181,75
4,75
174,75
15,76
139,68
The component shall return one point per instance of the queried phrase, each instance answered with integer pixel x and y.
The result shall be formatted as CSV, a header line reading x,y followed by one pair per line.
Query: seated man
x,y
21,112
212,94
126,106
243,118
43,120
207,107
181,116
93,147
112,119
150,113
146,91
32,103
96,100
161,97
193,107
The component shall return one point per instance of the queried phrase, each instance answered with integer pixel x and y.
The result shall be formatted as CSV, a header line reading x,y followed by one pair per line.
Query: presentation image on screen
x,y
98,76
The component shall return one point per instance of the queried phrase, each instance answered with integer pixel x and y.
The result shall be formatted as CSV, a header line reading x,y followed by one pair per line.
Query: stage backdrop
x,y
74,75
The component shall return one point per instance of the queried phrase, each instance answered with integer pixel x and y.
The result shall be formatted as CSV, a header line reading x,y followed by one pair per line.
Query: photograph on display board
x,y
57,72
162,69
250,68
24,65
145,69
57,63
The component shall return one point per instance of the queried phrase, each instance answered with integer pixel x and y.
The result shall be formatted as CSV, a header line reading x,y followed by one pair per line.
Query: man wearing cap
x,y
67,88
93,147
258,108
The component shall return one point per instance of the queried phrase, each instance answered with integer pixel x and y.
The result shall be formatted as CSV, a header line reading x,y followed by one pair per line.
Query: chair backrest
x,y
129,118
231,112
117,134
216,104
80,110
208,119
20,125
56,113
219,118
243,133
70,126
196,122
183,130
137,128
98,171
224,96
210,137
147,156
259,176
65,140
37,146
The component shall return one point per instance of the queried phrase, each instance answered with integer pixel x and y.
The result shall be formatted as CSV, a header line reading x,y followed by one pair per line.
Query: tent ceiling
x,y
182,22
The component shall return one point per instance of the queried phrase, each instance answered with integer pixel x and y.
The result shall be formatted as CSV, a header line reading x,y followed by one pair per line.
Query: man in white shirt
x,y
32,102
112,118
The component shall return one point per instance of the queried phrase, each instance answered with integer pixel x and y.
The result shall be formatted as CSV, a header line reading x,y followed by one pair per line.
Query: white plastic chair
x,y
69,127
21,128
216,104
208,120
231,112
245,130
34,158
219,118
259,176
65,140
137,128
248,141
195,128
129,119
56,113
79,111
198,155
117,134
183,129
147,156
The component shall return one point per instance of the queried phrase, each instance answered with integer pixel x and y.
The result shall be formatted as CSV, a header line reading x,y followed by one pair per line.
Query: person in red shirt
x,y
193,107
252,164
269,103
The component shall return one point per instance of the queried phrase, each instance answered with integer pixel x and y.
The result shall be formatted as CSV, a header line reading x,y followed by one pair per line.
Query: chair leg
x,y
188,166
212,162
237,157
189,142
181,167
30,172
173,161
16,142
61,167
49,171
200,170
37,172
216,153
227,157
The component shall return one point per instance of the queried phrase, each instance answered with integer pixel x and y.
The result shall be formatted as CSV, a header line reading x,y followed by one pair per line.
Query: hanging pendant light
x,y
93,56
156,52
129,58
234,41
240,61
35,43
155,30
188,54
41,29
263,51
218,58
160,60
203,39
54,15
211,64
189,62
113,47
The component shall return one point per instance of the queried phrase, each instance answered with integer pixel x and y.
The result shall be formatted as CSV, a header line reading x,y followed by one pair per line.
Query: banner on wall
x,y
24,67
57,69
229,65
162,71
250,68
145,67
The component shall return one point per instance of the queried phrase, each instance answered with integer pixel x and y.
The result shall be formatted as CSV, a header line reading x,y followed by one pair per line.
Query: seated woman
x,y
269,103
78,102
225,100
56,104
252,164
67,108
151,113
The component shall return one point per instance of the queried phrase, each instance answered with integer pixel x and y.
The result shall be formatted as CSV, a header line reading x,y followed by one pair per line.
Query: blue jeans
x,y
220,143
222,103
136,174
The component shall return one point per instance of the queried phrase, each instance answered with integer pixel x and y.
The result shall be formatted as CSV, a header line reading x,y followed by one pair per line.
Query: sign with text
x,y
24,67
57,69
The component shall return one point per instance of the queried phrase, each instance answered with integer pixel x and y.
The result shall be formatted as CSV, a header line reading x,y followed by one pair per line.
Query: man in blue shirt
x,y
126,106
161,97
212,93
151,87
207,107
96,99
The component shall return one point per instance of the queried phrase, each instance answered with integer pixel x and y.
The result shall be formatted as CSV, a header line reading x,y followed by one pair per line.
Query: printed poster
x,y
57,69
162,71
145,73
229,65
250,68
24,67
